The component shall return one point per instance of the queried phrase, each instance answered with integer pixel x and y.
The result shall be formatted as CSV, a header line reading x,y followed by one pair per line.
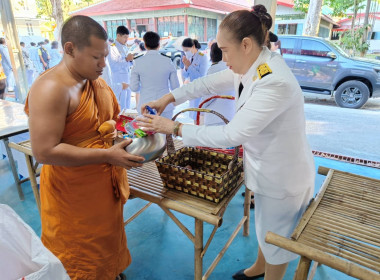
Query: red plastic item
x,y
121,122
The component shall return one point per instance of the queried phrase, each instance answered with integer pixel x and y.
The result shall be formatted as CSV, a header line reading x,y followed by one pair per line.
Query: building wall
x,y
166,22
25,13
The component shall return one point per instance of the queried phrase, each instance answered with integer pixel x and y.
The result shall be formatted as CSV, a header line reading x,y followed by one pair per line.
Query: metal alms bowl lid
x,y
149,147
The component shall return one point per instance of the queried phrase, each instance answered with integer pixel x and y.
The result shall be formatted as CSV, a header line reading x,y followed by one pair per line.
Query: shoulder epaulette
x,y
263,70
113,44
163,54
201,54
138,56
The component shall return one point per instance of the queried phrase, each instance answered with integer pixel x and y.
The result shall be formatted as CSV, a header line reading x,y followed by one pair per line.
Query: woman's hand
x,y
159,104
186,62
155,124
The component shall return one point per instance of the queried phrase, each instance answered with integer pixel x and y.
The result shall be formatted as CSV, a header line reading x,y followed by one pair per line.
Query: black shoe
x,y
251,205
121,276
241,276
252,195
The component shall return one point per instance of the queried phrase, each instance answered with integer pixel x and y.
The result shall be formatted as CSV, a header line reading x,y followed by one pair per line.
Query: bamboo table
x,y
13,121
145,183
340,228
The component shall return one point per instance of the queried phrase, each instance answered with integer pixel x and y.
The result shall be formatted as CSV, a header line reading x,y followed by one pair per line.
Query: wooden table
x,y
340,228
145,183
13,121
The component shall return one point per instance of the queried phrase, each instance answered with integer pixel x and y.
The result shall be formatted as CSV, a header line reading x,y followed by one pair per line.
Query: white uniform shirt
x,y
226,107
153,75
119,66
269,123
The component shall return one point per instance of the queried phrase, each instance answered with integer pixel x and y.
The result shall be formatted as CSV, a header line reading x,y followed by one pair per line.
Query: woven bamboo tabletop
x,y
346,222
145,183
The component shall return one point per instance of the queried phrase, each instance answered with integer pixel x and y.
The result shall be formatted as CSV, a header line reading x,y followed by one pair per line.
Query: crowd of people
x,y
37,58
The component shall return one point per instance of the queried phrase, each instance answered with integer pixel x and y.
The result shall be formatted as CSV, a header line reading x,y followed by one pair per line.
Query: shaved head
x,y
79,29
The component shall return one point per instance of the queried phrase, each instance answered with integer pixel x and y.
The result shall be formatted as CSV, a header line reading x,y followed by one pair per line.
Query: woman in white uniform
x,y
269,123
223,106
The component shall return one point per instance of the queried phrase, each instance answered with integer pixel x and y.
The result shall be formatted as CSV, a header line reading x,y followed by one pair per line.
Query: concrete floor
x,y
160,250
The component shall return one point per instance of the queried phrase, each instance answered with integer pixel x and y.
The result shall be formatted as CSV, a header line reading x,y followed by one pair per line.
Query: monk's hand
x,y
155,123
118,156
159,104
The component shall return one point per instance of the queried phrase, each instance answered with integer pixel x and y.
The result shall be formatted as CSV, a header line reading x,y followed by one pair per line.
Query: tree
x,y
58,10
313,18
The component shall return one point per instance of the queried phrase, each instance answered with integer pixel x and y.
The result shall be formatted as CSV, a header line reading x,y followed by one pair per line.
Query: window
x,y
292,29
174,26
323,32
29,27
196,27
287,45
375,36
112,26
314,48
211,28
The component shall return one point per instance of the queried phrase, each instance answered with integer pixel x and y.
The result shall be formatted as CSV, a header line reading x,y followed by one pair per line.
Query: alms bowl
x,y
150,147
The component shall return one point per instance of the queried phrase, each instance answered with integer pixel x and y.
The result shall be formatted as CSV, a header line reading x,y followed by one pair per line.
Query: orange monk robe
x,y
82,207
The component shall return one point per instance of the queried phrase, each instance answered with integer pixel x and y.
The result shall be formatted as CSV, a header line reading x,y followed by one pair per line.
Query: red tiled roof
x,y
123,6
286,3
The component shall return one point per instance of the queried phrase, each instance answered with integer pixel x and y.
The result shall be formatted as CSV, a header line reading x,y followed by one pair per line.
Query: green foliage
x,y
352,41
339,7
44,8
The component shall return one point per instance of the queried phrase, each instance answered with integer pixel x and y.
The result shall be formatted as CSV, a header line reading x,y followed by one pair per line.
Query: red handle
x,y
208,99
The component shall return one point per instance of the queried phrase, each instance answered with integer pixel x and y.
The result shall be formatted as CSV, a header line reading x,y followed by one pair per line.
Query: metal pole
x,y
14,48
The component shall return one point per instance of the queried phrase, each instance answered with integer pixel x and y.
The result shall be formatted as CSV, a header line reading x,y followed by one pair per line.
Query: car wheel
x,y
177,62
352,94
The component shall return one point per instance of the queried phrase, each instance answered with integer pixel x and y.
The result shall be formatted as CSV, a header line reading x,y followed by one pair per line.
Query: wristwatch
x,y
177,125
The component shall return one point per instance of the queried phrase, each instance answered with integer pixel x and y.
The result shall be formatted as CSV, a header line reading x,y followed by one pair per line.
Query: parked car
x,y
320,66
170,51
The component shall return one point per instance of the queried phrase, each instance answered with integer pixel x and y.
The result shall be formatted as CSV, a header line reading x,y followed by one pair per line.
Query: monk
x,y
84,185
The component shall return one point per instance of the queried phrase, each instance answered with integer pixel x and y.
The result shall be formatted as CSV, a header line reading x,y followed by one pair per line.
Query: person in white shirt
x,y
223,106
120,62
270,124
153,74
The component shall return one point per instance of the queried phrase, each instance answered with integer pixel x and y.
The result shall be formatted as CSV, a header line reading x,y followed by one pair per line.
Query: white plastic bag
x,y
22,254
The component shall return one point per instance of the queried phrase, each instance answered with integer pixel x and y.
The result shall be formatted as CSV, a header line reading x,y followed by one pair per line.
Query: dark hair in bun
x,y
188,43
244,23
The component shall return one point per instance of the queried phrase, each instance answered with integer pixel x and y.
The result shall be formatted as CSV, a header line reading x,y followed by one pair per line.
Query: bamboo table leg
x,y
198,248
247,211
302,269
33,181
13,168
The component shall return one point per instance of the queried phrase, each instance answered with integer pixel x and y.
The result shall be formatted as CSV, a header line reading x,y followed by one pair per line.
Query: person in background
x,y
223,106
194,65
55,55
151,83
3,80
7,65
142,47
47,45
276,47
120,62
33,52
28,63
43,55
